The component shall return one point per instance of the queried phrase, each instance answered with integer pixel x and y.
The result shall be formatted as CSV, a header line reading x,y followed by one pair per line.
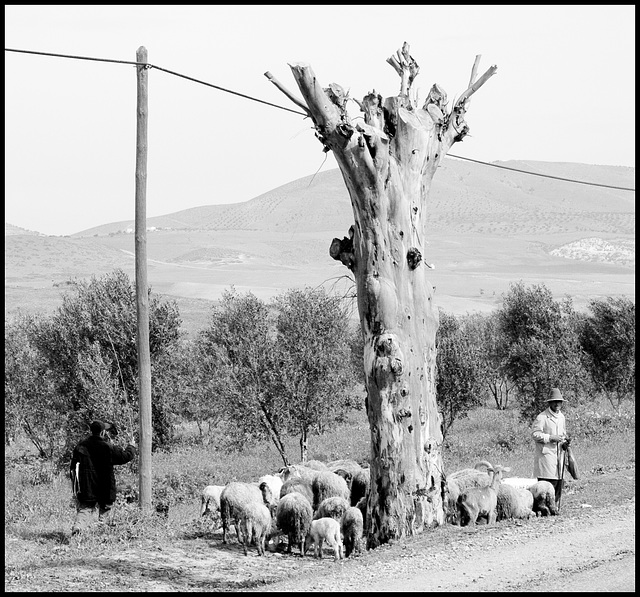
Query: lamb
x,y
352,527
544,498
325,529
233,500
293,518
481,501
328,484
255,524
299,485
332,507
210,502
514,502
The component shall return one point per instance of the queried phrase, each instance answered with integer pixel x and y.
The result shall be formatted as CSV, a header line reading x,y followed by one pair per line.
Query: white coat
x,y
547,463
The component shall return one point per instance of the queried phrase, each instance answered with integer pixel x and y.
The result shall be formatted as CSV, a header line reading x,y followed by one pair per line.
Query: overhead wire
x,y
249,97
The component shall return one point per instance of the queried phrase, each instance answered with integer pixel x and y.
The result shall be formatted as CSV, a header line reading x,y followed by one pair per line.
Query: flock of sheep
x,y
474,493
318,503
314,503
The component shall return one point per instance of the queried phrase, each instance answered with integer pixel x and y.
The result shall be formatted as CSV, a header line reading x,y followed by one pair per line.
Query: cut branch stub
x,y
371,105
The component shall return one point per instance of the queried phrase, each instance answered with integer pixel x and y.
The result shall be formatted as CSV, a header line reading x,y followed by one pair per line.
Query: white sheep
x,y
233,500
293,518
459,481
544,498
332,507
513,502
255,524
523,482
321,530
274,483
352,528
210,503
328,484
481,501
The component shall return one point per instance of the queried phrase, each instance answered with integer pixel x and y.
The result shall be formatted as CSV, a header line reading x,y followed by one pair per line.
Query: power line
x,y
148,65
594,184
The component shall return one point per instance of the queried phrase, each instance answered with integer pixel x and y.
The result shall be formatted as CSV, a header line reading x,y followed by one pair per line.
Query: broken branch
x,y
293,98
474,70
475,86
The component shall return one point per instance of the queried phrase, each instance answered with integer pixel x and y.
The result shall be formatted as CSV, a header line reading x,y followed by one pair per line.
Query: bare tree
x,y
388,162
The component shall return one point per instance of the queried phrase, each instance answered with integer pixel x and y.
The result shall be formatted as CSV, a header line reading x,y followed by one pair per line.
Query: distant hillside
x,y
11,230
487,228
465,196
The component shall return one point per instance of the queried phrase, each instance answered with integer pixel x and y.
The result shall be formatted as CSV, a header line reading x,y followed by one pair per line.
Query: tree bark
x,y
388,163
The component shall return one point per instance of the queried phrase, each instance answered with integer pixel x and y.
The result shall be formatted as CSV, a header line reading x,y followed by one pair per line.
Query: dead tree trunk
x,y
388,163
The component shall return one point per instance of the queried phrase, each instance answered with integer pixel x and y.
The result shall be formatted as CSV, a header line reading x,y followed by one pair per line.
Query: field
x,y
594,535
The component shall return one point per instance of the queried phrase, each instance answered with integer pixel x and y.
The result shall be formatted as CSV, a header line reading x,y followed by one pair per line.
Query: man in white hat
x,y
549,434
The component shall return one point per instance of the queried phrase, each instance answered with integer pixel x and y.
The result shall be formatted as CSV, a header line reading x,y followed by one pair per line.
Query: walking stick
x,y
561,480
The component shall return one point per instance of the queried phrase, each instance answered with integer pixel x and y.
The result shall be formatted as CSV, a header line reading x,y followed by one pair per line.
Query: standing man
x,y
549,434
92,474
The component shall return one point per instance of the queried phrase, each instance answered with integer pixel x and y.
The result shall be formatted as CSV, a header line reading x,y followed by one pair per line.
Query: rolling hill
x,y
489,226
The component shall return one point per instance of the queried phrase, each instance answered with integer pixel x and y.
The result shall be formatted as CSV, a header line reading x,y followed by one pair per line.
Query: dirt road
x,y
589,547
594,552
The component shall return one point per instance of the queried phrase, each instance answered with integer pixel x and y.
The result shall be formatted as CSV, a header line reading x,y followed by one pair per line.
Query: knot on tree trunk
x,y
414,257
389,357
342,250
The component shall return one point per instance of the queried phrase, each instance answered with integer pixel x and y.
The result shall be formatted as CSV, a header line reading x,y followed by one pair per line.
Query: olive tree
x,y
608,336
280,369
388,158
89,346
542,346
459,383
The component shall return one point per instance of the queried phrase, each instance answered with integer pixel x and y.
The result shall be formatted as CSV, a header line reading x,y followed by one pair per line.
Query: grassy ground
x,y
39,509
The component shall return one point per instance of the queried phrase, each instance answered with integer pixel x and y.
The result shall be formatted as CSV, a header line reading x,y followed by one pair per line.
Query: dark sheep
x,y
293,518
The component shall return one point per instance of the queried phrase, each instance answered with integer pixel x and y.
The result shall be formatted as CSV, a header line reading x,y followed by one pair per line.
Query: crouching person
x,y
92,474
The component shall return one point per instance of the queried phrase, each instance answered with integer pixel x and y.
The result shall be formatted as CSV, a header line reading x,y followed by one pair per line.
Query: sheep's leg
x,y
247,533
237,525
225,528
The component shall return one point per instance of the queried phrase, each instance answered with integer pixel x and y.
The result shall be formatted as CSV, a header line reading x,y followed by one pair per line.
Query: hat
x,y
98,426
555,395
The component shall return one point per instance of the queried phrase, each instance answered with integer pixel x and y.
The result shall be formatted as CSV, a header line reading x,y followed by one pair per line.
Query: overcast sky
x,y
564,92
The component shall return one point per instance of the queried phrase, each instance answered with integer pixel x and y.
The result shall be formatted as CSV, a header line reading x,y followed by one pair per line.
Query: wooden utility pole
x,y
142,293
